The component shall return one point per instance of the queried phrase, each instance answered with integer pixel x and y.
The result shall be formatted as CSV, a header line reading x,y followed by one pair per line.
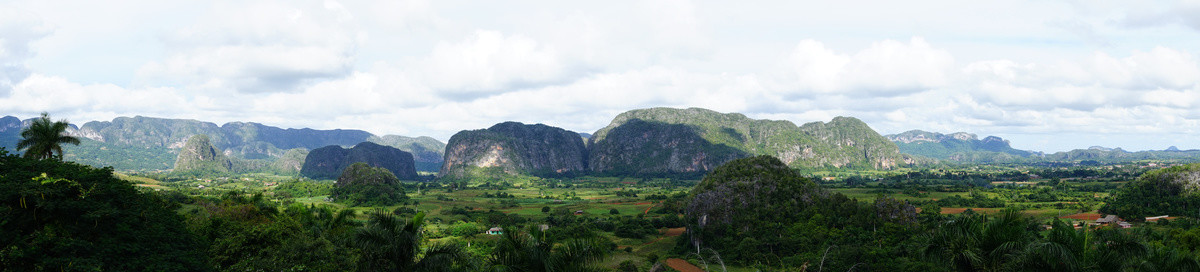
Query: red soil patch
x,y
961,210
1083,216
682,266
674,232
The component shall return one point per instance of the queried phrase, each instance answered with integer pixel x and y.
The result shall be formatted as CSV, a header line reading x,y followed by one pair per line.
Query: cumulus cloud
x,y
490,62
18,28
1182,12
1102,80
886,68
260,46
434,68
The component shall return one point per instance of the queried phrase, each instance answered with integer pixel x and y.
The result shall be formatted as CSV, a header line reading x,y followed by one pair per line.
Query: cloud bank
x,y
434,68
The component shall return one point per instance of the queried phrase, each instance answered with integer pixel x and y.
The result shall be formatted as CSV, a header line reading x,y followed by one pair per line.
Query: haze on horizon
x,y
1046,75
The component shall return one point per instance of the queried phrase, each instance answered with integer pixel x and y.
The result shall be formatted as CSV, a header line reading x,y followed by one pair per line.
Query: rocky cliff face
x,y
638,147
428,152
959,146
515,148
711,138
329,162
198,156
291,162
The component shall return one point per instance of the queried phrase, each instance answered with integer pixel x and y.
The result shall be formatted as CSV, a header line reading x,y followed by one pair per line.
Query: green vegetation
x,y
844,142
65,216
427,151
329,162
43,139
853,210
363,185
1170,191
199,158
514,149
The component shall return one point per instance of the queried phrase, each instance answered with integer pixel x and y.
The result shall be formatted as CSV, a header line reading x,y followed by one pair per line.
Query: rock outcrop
x,y
959,146
513,148
667,140
199,157
329,162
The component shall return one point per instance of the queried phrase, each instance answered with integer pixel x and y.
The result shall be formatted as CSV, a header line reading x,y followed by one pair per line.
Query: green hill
x,y
513,148
696,140
960,146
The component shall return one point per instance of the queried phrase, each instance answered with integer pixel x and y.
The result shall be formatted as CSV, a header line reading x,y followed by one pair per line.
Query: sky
x,y
1046,75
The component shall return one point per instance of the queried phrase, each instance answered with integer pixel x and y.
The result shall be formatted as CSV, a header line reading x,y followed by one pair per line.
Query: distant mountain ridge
x,y
966,147
959,146
156,141
665,142
512,148
844,142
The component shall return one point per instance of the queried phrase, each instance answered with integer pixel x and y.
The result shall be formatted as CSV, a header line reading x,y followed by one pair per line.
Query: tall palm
x,y
1163,258
1067,249
42,139
535,251
978,242
389,243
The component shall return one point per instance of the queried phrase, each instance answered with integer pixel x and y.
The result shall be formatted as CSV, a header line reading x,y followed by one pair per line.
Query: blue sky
x,y
1047,75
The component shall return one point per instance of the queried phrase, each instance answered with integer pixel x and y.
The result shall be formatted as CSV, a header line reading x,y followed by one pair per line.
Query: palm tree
x,y
42,139
1067,249
1163,258
979,242
535,251
389,243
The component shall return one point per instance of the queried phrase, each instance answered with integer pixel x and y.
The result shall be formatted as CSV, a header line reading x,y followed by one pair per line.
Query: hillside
x,y
706,138
329,162
427,151
513,148
199,157
1118,155
960,146
148,143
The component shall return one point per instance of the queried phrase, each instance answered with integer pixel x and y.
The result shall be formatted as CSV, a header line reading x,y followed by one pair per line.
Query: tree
x,y
979,242
536,251
62,216
42,139
389,243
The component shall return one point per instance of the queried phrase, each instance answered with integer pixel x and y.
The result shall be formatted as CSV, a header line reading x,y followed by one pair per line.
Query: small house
x,y
579,212
495,231
1110,219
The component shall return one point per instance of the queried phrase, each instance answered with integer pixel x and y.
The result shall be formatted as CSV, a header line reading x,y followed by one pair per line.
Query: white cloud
x,y
490,62
260,46
885,68
18,28
421,67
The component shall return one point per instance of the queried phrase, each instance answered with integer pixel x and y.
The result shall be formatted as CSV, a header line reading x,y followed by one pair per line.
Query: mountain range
x,y
666,142
147,143
968,148
647,142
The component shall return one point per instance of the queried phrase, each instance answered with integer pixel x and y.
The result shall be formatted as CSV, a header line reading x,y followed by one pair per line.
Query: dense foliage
x,y
199,158
363,185
43,138
757,210
65,216
1170,191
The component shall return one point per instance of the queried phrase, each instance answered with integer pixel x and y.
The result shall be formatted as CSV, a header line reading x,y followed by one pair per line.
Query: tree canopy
x,y
43,138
